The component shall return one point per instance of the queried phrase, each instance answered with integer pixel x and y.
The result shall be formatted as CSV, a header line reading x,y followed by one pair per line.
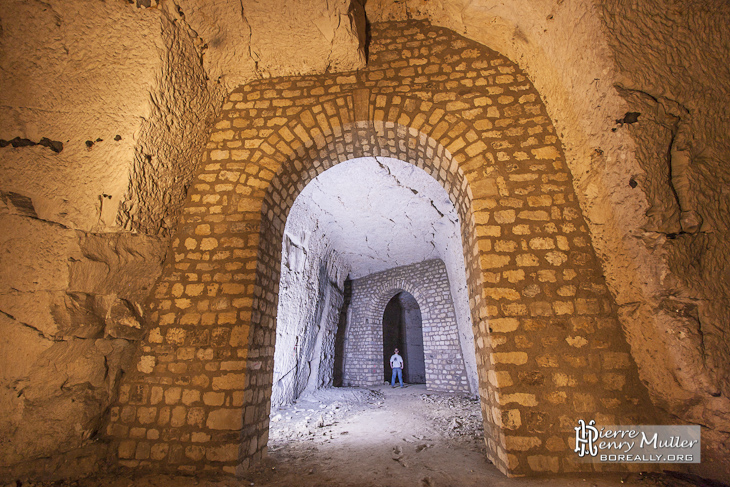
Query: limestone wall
x,y
71,318
71,296
594,63
105,109
672,71
428,283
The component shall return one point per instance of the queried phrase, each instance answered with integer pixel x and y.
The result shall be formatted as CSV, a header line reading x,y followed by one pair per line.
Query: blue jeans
x,y
397,371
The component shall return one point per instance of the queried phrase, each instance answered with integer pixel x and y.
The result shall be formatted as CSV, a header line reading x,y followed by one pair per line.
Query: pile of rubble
x,y
455,416
311,414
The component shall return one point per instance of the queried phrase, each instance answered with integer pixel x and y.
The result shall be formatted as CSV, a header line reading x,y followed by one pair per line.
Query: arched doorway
x,y
371,219
540,311
403,329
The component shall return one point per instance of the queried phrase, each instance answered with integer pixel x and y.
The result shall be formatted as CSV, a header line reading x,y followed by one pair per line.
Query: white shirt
x,y
396,361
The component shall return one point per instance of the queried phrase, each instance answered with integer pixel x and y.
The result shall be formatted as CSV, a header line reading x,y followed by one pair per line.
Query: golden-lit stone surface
x,y
119,122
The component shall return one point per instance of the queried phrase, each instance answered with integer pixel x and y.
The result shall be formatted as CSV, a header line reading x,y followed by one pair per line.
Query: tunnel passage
x,y
445,355
548,346
370,219
403,329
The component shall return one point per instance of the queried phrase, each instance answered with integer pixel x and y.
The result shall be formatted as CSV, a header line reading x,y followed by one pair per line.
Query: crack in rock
x,y
55,145
27,325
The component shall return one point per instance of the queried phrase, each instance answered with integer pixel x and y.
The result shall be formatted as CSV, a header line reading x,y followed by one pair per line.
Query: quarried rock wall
x,y
105,109
71,318
310,299
673,74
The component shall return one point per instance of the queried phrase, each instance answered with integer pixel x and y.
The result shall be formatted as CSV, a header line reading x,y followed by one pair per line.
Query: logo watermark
x,y
637,444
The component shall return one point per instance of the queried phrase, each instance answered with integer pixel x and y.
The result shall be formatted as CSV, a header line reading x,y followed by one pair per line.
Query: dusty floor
x,y
379,437
386,437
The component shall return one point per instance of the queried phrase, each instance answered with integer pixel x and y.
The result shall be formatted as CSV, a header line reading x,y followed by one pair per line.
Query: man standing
x,y
396,363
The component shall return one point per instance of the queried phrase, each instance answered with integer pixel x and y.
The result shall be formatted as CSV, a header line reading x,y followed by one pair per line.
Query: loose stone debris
x,y
377,437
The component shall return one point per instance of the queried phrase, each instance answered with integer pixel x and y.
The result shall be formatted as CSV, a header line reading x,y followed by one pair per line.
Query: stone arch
x,y
407,336
383,298
330,143
427,282
369,138
395,333
545,327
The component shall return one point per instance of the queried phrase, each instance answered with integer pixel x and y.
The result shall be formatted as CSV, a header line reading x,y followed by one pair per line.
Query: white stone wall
x,y
428,283
310,299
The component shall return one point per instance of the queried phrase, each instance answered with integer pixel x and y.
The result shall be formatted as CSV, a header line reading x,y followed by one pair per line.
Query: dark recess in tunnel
x,y
339,362
402,329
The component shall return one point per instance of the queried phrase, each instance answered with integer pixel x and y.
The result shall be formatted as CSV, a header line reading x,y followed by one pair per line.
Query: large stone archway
x,y
328,142
545,327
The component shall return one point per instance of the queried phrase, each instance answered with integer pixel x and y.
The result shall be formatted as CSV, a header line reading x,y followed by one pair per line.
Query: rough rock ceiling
x,y
380,213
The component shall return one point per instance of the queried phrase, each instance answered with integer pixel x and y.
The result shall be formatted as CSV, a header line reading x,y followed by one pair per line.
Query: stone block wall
x,y
429,284
549,347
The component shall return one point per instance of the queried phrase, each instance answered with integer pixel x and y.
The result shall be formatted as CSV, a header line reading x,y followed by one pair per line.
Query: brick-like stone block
x,y
516,358
127,448
615,360
223,453
228,381
544,463
213,398
504,325
522,443
521,398
225,419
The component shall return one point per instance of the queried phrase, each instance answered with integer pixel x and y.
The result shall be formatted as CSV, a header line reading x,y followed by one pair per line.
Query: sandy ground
x,y
378,437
